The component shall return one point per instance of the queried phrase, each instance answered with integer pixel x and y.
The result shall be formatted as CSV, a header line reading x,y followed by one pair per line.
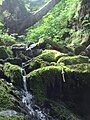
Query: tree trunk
x,y
31,20
24,22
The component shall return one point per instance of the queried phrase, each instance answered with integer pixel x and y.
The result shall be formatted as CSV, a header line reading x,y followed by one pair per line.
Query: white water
x,y
27,99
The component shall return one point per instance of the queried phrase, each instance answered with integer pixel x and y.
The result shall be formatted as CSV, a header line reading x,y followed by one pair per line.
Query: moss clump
x,y
3,53
34,64
70,60
5,97
51,55
11,118
14,73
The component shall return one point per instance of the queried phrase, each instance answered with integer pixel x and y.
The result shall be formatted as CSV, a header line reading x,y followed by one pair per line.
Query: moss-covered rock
x,y
61,83
5,97
14,73
3,53
41,79
34,64
83,68
51,55
70,60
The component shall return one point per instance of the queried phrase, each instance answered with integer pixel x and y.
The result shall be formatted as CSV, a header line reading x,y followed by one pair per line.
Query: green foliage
x,y
55,22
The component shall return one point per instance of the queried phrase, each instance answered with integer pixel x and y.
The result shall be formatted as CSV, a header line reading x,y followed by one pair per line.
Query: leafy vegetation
x,y
55,23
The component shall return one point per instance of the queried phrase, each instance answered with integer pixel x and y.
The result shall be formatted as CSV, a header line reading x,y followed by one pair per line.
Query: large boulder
x,y
13,72
34,64
69,84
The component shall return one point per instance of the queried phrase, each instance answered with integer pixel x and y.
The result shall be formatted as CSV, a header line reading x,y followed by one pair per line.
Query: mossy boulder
x,y
14,73
44,79
60,83
3,52
51,55
34,64
70,60
5,97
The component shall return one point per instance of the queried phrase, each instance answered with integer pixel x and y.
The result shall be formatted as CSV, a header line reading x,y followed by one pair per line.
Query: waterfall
x,y
27,100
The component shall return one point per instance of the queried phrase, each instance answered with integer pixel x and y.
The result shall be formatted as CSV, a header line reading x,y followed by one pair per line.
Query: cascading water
x,y
27,100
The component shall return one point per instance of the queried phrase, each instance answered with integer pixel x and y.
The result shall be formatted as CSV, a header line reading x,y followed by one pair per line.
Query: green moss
x,y
84,68
11,118
35,63
14,73
3,53
42,78
51,55
5,98
70,60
